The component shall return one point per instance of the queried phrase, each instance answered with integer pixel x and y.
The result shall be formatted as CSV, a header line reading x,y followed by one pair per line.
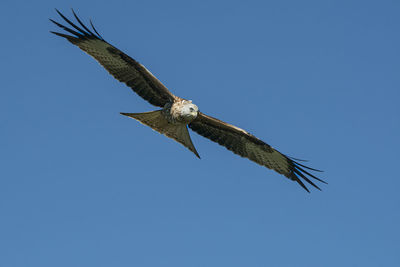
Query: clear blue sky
x,y
81,185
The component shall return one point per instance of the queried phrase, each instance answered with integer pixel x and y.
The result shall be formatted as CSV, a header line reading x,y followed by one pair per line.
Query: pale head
x,y
189,110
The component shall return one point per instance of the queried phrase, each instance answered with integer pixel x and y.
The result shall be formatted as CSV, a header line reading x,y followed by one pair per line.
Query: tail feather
x,y
157,122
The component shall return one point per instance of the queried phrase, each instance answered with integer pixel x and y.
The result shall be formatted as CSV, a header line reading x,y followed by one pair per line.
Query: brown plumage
x,y
177,113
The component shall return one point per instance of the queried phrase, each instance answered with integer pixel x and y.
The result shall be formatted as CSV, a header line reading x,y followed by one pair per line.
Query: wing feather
x,y
118,64
247,145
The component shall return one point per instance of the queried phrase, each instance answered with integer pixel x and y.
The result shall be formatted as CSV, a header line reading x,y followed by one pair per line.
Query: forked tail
x,y
157,121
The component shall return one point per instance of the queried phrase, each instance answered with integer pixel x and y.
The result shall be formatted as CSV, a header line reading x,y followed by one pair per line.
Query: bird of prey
x,y
176,114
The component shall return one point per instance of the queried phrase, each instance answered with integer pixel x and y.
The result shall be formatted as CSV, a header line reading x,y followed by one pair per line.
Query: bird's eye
x,y
191,109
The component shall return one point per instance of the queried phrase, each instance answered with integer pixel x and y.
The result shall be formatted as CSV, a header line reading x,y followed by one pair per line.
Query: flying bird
x,y
177,114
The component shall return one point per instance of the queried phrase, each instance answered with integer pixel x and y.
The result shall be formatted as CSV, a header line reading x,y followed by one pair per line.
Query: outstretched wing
x,y
124,68
246,145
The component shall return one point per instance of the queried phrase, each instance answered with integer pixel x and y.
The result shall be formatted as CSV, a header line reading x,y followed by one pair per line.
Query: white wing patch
x,y
101,52
272,160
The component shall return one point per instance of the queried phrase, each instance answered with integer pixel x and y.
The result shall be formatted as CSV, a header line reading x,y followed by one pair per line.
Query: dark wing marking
x,y
246,145
118,64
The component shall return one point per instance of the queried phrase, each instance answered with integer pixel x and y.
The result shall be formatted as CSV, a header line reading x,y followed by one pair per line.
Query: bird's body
x,y
177,114
171,121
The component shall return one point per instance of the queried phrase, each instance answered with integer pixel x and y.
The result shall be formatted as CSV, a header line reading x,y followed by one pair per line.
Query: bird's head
x,y
189,111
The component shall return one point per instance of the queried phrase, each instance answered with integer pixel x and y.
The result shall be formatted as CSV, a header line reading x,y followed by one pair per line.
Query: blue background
x,y
81,185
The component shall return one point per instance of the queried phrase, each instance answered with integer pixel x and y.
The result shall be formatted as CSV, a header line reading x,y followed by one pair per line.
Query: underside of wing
x,y
118,64
246,145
